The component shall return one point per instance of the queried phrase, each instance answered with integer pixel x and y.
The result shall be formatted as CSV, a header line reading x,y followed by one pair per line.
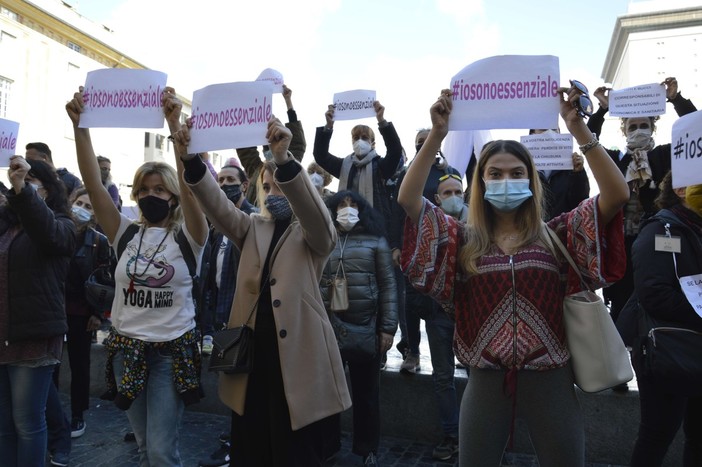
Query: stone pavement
x,y
103,443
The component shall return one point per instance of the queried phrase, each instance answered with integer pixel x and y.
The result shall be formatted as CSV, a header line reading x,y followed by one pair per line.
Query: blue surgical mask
x,y
507,194
453,205
81,214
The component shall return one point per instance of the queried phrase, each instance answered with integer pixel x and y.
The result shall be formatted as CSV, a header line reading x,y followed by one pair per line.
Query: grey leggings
x,y
546,401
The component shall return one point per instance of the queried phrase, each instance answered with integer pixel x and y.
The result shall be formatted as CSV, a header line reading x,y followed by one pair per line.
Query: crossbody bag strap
x,y
253,308
557,241
340,266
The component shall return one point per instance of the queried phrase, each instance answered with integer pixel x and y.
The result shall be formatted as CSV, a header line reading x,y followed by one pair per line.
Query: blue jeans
x,y
417,307
440,329
57,424
23,393
156,414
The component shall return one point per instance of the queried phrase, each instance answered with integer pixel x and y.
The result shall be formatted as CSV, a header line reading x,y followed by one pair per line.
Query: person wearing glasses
x,y
644,165
503,283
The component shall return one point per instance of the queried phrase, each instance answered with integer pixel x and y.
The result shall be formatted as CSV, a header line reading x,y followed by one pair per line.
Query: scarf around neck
x,y
639,170
364,172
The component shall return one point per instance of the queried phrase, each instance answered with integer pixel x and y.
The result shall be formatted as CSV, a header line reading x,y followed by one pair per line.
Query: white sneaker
x,y
207,345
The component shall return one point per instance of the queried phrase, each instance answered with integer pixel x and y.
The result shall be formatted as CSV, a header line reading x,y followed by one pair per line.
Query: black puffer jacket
x,y
657,285
38,265
370,278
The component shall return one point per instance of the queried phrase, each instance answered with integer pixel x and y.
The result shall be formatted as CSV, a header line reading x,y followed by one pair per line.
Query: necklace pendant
x,y
131,286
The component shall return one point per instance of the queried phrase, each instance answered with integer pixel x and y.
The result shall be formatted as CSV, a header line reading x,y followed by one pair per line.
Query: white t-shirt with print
x,y
160,308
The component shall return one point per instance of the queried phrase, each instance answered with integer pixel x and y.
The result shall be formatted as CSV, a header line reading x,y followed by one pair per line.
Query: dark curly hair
x,y
369,218
56,197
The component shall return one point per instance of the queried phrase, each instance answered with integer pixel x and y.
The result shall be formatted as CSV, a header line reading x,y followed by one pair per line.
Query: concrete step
x,y
408,410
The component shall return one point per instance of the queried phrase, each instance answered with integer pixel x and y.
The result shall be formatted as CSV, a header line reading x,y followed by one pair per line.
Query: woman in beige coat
x,y
298,377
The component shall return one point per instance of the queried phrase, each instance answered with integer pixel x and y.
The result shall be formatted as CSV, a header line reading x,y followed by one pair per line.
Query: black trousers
x,y
263,437
78,343
662,414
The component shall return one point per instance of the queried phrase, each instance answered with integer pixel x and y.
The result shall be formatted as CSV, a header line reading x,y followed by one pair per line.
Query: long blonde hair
x,y
170,181
481,216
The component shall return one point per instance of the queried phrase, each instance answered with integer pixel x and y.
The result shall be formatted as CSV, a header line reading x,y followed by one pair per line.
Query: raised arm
x,y
194,217
410,196
390,163
320,151
105,210
614,192
298,144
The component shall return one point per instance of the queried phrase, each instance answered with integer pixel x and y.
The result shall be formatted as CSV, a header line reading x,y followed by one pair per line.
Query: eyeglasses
x,y
583,105
447,176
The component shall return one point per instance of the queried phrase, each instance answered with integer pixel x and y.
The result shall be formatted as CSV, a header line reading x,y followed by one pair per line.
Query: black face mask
x,y
418,146
154,209
233,192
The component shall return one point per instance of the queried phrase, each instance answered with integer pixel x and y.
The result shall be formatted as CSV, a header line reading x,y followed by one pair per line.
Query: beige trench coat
x,y
312,370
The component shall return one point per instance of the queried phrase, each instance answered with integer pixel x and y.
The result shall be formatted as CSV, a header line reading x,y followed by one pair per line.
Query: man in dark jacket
x,y
42,152
363,171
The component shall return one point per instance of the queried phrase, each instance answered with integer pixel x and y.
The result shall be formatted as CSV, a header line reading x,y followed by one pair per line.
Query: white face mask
x,y
317,180
347,217
639,139
361,147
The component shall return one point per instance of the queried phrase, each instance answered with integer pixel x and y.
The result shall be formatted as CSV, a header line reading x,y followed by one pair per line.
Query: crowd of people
x,y
326,279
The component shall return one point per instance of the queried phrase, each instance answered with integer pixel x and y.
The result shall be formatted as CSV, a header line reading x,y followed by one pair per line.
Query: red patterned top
x,y
510,314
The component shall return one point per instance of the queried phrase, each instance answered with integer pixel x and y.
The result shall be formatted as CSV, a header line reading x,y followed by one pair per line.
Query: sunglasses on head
x,y
447,176
583,105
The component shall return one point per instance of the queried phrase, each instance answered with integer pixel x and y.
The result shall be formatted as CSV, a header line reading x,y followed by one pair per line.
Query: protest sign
x,y
508,91
274,77
639,101
550,151
230,115
123,98
8,141
686,150
352,105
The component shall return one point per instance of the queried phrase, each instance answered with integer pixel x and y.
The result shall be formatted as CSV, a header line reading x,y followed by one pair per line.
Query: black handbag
x,y
100,288
671,355
356,342
232,350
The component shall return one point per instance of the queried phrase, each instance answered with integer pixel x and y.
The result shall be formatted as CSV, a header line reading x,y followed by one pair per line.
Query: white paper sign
x,y
692,288
640,101
274,77
8,141
122,98
352,105
230,115
508,91
550,151
686,150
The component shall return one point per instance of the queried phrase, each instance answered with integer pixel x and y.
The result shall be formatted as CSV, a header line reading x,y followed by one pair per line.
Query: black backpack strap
x,y
128,234
187,252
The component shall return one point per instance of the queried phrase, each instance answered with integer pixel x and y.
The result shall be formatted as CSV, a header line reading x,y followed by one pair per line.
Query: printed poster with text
x,y
8,141
230,115
274,77
122,98
507,91
352,105
550,151
686,150
639,101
